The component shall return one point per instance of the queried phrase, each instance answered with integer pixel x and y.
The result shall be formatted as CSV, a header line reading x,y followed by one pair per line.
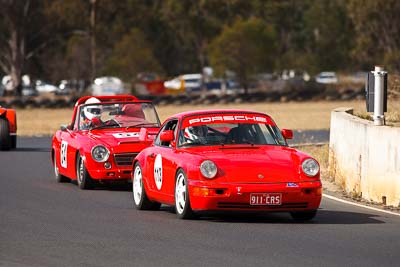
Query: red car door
x,y
161,174
67,154
162,167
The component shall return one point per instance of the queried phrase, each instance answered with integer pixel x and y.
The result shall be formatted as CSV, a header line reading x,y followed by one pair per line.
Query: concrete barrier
x,y
365,159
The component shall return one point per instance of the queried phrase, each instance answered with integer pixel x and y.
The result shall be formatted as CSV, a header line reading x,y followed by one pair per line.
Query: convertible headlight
x,y
100,153
310,167
208,169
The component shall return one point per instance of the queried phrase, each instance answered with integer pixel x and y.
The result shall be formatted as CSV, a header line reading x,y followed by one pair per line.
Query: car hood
x,y
262,164
122,141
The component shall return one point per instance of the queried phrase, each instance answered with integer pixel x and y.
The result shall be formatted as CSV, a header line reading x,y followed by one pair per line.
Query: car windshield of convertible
x,y
117,115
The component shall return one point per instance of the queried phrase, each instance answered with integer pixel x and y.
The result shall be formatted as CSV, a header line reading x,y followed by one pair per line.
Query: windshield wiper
x,y
104,126
241,143
142,124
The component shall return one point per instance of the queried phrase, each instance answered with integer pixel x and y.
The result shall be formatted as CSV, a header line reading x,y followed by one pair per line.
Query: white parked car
x,y
326,77
44,87
185,82
107,86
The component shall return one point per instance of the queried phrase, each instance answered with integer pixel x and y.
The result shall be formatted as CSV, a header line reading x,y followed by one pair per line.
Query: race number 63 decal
x,y
63,154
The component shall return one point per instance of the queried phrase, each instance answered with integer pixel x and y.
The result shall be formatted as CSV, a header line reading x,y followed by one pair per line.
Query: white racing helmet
x,y
92,111
195,134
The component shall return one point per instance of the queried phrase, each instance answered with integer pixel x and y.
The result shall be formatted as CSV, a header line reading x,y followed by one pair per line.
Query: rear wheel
x,y
5,139
59,178
82,175
182,201
303,216
140,199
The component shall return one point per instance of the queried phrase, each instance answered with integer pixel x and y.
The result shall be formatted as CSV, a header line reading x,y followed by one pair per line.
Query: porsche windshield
x,y
115,115
231,133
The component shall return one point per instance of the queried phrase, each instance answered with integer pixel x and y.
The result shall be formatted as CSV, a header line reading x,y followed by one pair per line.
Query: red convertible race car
x,y
105,135
8,129
225,160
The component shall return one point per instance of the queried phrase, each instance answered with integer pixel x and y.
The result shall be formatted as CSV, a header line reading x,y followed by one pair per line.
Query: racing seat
x,y
133,110
235,136
239,135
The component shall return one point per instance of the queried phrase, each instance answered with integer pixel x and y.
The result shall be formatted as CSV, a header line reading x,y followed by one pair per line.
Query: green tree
x,y
329,35
246,48
131,55
287,19
18,41
377,28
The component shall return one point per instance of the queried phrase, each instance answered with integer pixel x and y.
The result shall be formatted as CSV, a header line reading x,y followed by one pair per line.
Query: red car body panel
x,y
8,129
123,144
11,116
243,169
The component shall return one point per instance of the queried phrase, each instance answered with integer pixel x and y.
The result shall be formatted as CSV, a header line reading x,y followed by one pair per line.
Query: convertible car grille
x,y
235,205
125,159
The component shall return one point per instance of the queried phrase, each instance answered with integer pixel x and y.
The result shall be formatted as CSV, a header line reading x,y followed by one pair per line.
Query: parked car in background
x,y
8,128
226,160
326,77
184,83
148,83
29,90
107,85
44,87
64,88
103,138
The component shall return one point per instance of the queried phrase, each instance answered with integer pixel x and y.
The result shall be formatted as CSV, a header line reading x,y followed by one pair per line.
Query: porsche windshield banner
x,y
226,118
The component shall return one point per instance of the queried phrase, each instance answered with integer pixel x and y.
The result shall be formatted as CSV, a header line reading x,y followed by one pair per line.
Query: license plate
x,y
266,199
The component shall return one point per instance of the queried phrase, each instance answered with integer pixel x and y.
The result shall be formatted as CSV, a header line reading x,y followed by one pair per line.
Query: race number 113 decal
x,y
158,171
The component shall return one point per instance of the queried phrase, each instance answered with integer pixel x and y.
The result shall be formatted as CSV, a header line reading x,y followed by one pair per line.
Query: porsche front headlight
x,y
208,169
100,153
310,167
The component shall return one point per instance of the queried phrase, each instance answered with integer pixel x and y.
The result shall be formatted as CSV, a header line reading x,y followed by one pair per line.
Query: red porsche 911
x,y
226,160
105,135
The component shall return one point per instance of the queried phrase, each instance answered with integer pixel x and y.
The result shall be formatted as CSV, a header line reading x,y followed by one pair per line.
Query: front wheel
x,y
182,201
303,216
82,175
140,200
59,178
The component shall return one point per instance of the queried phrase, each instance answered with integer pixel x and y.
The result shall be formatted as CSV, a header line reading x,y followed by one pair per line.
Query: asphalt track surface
x,y
43,223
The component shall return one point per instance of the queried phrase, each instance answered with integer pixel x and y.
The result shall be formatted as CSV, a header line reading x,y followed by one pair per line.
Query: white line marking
x,y
359,205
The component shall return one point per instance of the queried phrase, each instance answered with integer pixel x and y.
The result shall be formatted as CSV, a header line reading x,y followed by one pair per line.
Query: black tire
x,y
59,178
14,142
181,195
5,138
139,196
303,216
82,176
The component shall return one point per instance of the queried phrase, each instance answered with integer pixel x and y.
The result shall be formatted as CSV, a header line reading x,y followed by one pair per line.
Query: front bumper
x,y
301,196
111,174
119,167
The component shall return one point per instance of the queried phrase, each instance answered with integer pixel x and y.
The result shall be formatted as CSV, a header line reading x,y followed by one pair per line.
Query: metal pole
x,y
93,39
379,117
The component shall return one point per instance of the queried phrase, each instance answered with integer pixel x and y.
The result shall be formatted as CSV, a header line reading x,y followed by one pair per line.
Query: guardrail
x,y
198,99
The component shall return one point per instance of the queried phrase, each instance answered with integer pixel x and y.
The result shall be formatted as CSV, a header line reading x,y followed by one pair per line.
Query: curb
x,y
360,205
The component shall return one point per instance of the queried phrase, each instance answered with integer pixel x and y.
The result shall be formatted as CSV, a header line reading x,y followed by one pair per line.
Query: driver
x,y
196,134
92,113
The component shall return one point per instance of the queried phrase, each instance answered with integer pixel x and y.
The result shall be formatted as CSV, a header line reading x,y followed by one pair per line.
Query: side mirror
x,y
167,136
64,128
288,134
